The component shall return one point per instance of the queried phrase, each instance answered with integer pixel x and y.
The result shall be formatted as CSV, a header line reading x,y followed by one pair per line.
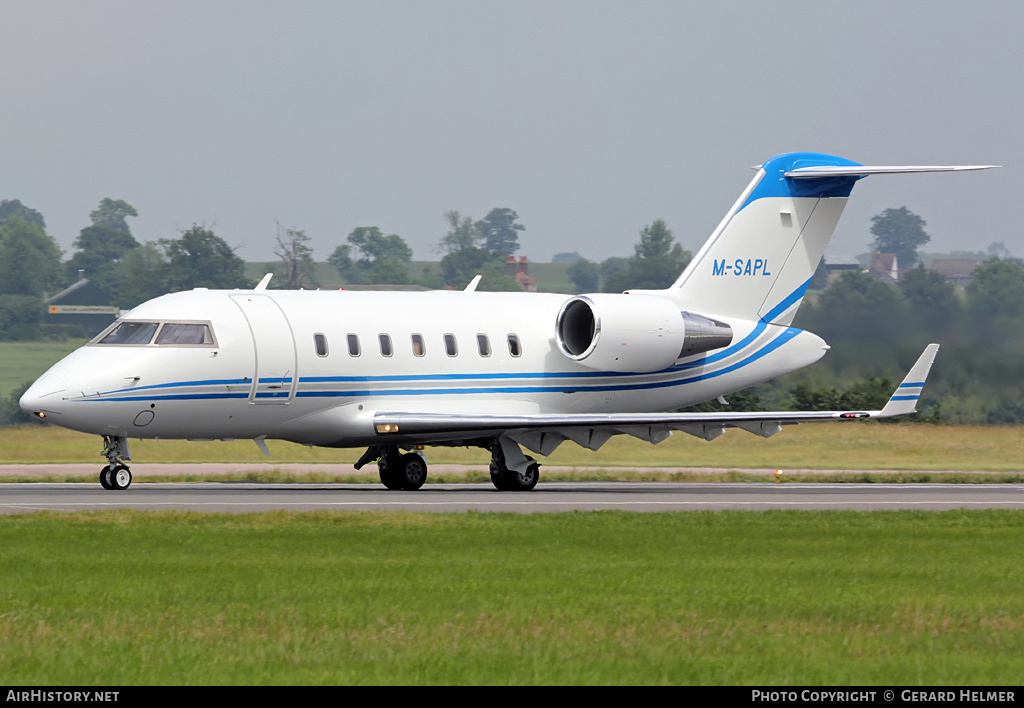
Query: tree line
x,y
875,329
106,252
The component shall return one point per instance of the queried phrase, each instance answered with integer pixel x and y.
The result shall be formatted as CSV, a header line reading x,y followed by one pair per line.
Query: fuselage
x,y
313,367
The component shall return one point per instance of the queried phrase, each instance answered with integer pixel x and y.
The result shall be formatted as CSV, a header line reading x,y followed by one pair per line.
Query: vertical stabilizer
x,y
758,262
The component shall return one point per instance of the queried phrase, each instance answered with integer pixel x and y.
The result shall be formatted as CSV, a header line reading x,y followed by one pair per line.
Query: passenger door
x,y
274,376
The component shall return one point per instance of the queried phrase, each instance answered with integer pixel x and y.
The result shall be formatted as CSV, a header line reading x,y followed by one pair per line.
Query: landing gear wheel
x,y
412,471
120,478
388,477
500,478
506,480
525,481
105,478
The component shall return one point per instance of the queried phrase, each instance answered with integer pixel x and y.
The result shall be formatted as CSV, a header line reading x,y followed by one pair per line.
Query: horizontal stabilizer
x,y
820,171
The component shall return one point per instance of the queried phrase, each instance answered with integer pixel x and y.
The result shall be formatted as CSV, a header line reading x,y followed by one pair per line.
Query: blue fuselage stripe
x,y
778,341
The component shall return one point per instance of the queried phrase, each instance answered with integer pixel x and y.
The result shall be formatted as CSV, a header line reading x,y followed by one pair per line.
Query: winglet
x,y
904,399
262,285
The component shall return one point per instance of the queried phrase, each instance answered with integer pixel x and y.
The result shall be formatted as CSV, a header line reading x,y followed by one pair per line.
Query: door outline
x,y
275,362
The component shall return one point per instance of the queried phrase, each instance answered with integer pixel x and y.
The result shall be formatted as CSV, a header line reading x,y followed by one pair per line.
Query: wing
x,y
543,432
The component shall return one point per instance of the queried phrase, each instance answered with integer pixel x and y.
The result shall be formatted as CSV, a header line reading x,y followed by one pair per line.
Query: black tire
x,y
105,478
525,481
500,478
388,477
120,478
412,471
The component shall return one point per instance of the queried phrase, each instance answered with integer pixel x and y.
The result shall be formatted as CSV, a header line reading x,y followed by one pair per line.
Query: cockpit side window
x,y
184,333
129,333
161,334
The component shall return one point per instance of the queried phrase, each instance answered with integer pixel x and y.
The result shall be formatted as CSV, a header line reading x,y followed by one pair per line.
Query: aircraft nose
x,y
44,397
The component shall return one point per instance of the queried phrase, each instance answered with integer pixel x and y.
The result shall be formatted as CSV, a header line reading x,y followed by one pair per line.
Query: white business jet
x,y
395,371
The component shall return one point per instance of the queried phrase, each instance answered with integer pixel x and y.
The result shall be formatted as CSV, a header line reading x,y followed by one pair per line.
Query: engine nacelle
x,y
633,333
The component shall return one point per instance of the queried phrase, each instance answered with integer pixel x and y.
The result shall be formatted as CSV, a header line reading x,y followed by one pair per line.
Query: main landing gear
x,y
511,470
397,471
115,475
523,477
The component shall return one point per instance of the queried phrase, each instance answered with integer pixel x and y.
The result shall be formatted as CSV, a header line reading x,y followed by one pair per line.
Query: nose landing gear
x,y
115,475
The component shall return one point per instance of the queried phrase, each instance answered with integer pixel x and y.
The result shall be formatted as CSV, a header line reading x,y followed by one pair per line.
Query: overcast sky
x,y
590,119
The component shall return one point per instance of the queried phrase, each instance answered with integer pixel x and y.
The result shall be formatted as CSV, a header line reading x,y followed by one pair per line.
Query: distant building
x,y
956,270
885,267
840,263
84,304
520,270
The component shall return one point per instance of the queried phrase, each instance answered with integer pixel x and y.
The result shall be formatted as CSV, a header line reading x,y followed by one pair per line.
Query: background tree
x,y
20,317
29,259
585,276
460,267
499,231
12,207
996,290
462,233
899,231
141,275
466,255
656,263
932,299
296,268
113,214
101,246
201,259
370,257
611,269
29,270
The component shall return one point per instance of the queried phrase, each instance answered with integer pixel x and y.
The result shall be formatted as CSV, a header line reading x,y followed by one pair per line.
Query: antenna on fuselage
x,y
472,284
263,283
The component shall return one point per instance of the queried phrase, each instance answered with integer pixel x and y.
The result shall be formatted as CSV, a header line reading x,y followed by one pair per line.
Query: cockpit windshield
x,y
163,334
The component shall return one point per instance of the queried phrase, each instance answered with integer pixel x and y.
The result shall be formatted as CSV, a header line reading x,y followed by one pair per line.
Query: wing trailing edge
x,y
592,430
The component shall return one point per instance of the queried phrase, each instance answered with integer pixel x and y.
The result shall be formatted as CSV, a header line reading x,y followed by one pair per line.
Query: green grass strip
x,y
770,598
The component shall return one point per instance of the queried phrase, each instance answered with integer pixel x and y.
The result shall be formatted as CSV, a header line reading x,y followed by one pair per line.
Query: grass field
x,y
769,598
27,361
852,446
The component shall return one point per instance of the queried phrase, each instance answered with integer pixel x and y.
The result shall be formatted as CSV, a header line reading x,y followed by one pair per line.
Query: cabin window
x,y
483,344
513,345
320,342
418,348
451,347
130,333
184,333
353,345
385,344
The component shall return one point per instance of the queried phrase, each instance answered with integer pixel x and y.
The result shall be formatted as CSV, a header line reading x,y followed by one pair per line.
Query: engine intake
x,y
633,333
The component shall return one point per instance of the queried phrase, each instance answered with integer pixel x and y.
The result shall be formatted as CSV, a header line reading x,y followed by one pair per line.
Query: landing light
x,y
40,415
387,428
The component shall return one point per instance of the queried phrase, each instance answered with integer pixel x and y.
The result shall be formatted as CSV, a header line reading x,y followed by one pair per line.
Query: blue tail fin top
x,y
775,183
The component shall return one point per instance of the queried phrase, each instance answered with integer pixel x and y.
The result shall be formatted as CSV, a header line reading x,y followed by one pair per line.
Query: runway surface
x,y
245,497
